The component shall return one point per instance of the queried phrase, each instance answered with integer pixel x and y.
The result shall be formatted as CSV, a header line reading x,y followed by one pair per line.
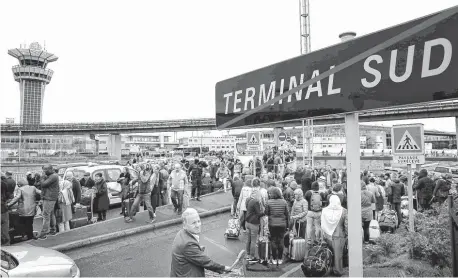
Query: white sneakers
x,y
280,262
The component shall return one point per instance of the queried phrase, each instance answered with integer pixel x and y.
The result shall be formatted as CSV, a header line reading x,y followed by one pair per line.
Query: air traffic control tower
x,y
33,76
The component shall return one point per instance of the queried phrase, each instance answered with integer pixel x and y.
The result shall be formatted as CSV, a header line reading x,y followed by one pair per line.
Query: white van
x,y
110,174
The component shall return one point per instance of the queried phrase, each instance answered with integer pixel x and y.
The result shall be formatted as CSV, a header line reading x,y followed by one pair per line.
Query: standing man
x,y
143,194
188,257
49,194
76,188
196,179
164,191
10,184
5,239
177,189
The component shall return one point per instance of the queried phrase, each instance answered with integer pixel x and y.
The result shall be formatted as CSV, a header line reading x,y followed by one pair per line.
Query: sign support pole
x,y
303,144
254,165
410,193
355,244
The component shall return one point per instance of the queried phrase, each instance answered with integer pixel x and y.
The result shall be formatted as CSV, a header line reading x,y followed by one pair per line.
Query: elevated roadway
x,y
432,110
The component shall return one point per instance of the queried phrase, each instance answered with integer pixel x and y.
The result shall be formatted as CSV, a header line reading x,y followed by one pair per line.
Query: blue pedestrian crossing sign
x,y
408,144
253,141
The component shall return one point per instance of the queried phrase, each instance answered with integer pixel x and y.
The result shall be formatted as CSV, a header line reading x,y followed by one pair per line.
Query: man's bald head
x,y
191,221
48,169
69,175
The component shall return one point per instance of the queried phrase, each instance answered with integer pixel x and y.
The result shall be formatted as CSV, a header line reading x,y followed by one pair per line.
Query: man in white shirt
x,y
177,188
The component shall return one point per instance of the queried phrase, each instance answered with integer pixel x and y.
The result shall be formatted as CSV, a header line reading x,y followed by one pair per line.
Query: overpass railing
x,y
443,106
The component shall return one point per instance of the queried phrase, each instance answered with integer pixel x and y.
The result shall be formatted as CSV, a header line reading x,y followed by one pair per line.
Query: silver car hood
x,y
33,256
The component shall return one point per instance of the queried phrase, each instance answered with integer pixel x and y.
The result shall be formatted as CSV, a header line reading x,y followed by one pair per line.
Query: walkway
x,y
210,202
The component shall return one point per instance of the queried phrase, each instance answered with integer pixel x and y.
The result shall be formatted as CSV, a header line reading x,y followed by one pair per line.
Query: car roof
x,y
96,167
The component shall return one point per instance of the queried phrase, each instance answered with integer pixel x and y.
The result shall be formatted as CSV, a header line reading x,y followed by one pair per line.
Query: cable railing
x,y
211,122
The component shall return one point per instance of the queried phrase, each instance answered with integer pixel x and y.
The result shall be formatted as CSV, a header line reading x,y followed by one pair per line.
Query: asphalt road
x,y
149,254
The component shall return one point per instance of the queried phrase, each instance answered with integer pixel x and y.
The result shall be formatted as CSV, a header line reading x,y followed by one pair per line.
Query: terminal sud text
x,y
421,68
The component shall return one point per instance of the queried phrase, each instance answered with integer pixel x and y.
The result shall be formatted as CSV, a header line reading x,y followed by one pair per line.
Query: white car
x,y
110,174
25,260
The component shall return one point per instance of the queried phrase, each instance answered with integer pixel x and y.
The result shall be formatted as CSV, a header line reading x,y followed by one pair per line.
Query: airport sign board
x,y
407,64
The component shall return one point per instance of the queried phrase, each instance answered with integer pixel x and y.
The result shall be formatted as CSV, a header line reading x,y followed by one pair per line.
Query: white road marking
x,y
219,245
291,271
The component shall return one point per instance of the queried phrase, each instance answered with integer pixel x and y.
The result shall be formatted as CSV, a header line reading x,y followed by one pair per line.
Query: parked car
x,y
25,260
446,170
110,173
63,167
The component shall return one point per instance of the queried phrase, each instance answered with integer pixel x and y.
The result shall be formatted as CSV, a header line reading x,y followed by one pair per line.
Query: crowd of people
x,y
267,197
313,203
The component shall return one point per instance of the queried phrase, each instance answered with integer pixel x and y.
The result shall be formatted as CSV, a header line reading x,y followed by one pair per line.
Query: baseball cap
x,y
8,173
28,173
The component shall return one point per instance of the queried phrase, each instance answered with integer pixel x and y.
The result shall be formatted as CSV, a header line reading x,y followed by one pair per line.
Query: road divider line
x,y
291,271
120,234
219,245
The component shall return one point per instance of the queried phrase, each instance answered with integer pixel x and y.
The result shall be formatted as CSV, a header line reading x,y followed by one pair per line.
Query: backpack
x,y
444,188
318,262
195,173
315,201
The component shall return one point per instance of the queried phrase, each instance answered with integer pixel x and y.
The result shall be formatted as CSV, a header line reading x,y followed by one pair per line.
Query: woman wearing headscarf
x,y
124,179
65,201
101,197
253,220
277,211
334,226
367,201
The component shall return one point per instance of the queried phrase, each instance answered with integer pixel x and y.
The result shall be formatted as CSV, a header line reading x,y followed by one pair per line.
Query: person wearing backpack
x,y
314,199
196,179
442,188
334,224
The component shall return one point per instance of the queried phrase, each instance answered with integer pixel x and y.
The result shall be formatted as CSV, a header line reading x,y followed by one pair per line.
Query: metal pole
x,y
452,234
410,193
456,135
355,244
20,143
303,144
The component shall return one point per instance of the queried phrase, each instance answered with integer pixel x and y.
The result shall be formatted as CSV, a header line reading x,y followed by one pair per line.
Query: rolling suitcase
x,y
233,228
129,202
78,222
374,230
264,247
297,245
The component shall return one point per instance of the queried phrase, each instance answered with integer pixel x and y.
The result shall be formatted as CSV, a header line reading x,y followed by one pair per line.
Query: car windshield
x,y
113,174
441,170
79,174
8,261
454,171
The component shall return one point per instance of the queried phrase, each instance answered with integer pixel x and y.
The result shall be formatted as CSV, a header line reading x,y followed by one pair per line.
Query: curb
x,y
137,230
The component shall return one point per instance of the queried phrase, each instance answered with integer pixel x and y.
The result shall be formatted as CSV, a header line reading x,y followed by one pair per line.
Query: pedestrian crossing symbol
x,y
407,142
253,140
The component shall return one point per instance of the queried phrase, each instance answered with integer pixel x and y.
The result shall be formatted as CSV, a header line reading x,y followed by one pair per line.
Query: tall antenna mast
x,y
304,9
307,125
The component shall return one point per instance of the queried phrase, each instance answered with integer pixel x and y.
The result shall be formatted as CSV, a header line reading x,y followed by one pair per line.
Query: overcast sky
x,y
153,60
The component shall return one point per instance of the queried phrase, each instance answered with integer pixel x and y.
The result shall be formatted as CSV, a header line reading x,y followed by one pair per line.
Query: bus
x,y
191,151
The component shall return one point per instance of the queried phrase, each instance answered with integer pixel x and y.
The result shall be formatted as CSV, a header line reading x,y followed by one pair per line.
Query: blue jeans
x,y
146,198
253,231
49,217
177,199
